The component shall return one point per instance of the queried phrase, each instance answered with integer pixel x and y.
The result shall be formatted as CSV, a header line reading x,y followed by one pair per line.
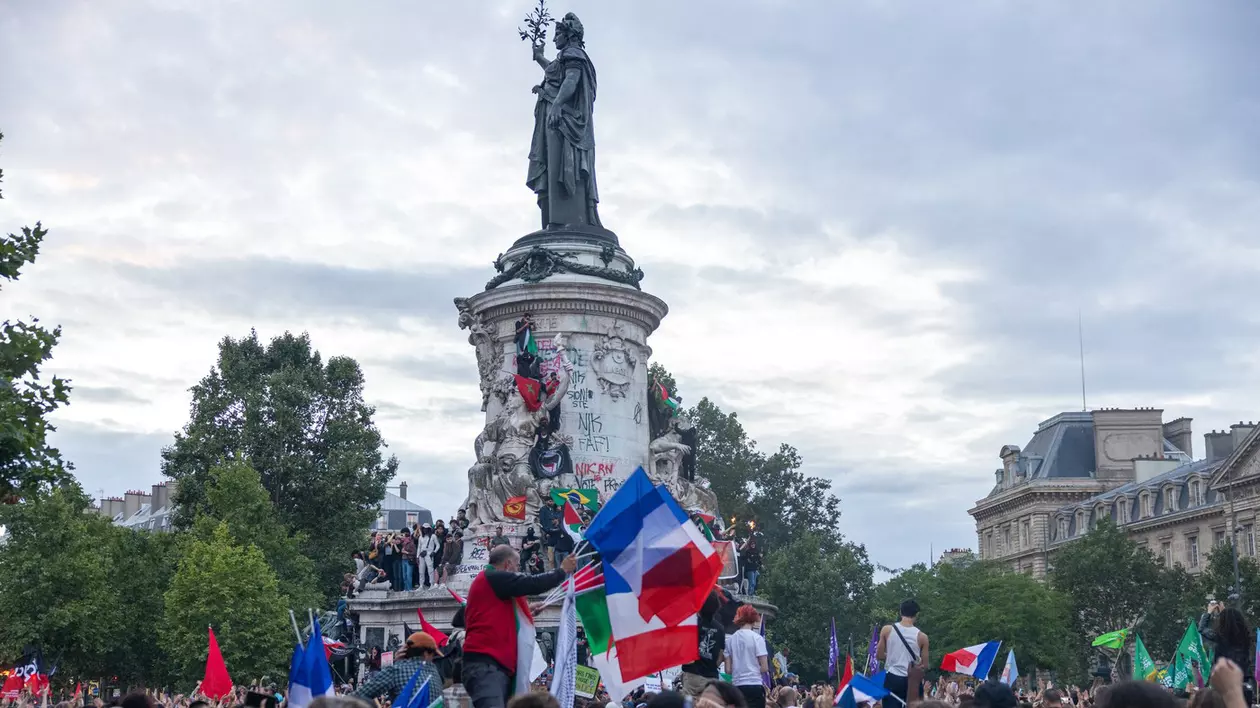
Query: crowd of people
x,y
420,556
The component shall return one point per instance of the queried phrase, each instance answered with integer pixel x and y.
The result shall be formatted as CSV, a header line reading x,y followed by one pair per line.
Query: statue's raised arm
x,y
562,151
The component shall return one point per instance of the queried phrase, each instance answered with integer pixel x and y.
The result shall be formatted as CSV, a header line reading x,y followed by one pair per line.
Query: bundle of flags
x,y
30,674
973,661
639,613
309,674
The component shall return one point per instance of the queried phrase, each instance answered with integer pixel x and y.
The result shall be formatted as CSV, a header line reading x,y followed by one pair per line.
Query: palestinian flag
x,y
526,638
572,522
704,522
673,403
531,392
588,498
591,604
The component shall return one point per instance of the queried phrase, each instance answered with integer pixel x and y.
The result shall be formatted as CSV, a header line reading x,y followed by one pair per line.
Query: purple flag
x,y
765,675
833,658
872,663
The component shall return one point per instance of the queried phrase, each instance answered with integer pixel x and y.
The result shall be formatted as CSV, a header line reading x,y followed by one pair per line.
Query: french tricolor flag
x,y
972,661
658,570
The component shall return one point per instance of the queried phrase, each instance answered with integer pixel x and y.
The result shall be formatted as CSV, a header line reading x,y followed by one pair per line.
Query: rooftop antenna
x,y
1080,337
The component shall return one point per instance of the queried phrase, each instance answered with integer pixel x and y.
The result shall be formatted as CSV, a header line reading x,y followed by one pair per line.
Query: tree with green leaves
x,y
223,584
236,497
968,604
1217,580
812,579
1113,583
304,426
80,588
29,466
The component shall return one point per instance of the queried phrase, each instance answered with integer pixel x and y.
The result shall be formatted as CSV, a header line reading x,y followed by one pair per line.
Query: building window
x,y
1196,493
412,518
988,545
1192,551
1063,528
1165,551
1006,539
1122,509
1100,513
1080,523
1025,534
1248,541
1218,539
382,521
1170,500
1148,506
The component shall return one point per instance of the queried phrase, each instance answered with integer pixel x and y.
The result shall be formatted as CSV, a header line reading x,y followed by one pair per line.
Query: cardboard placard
x,y
587,682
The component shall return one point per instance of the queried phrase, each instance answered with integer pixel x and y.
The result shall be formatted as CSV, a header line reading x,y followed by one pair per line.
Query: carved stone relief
x,y
489,353
614,362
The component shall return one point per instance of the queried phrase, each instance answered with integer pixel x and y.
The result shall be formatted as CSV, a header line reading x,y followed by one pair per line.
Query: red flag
x,y
514,508
217,684
531,392
438,635
458,599
848,673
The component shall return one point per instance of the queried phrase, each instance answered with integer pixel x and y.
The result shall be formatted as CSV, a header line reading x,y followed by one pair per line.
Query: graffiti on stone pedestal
x,y
590,437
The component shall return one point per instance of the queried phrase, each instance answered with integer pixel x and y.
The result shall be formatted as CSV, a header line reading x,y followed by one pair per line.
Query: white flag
x,y
564,680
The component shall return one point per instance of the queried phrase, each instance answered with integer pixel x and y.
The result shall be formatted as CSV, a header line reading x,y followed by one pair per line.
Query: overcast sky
x,y
875,222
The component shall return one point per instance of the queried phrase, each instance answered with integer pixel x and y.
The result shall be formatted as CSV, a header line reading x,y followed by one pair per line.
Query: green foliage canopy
x,y
304,426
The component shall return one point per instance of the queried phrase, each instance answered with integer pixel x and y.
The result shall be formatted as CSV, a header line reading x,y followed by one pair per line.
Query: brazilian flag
x,y
588,498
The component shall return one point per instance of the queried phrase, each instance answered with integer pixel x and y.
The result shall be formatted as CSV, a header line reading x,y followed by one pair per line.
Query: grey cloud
x,y
106,394
111,459
262,287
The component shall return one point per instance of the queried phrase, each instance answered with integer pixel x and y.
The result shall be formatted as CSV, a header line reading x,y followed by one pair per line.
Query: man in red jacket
x,y
490,621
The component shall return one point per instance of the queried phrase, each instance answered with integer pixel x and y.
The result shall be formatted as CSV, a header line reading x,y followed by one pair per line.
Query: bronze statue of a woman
x,y
562,152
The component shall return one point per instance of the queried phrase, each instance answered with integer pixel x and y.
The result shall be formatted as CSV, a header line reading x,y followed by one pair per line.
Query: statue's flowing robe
x,y
562,159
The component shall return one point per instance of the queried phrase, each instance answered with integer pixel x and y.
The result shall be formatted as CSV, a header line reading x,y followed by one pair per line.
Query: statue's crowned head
x,y
569,31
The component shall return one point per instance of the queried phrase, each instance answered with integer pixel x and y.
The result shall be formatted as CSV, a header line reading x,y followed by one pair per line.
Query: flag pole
x,y
296,631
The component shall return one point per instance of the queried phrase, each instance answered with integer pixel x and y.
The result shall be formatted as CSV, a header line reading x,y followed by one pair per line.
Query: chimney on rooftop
x,y
1239,432
402,490
1178,433
159,498
1219,444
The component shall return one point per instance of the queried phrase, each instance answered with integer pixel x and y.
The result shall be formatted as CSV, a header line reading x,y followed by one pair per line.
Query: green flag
x,y
1193,659
1143,665
1112,640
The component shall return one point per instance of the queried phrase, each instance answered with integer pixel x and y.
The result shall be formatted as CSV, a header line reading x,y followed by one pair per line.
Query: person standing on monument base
x,y
494,598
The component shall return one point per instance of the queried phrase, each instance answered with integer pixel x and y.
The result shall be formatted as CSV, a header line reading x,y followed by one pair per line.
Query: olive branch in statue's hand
x,y
536,22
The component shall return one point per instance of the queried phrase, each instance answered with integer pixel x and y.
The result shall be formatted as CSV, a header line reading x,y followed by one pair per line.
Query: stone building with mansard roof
x,y
1129,466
